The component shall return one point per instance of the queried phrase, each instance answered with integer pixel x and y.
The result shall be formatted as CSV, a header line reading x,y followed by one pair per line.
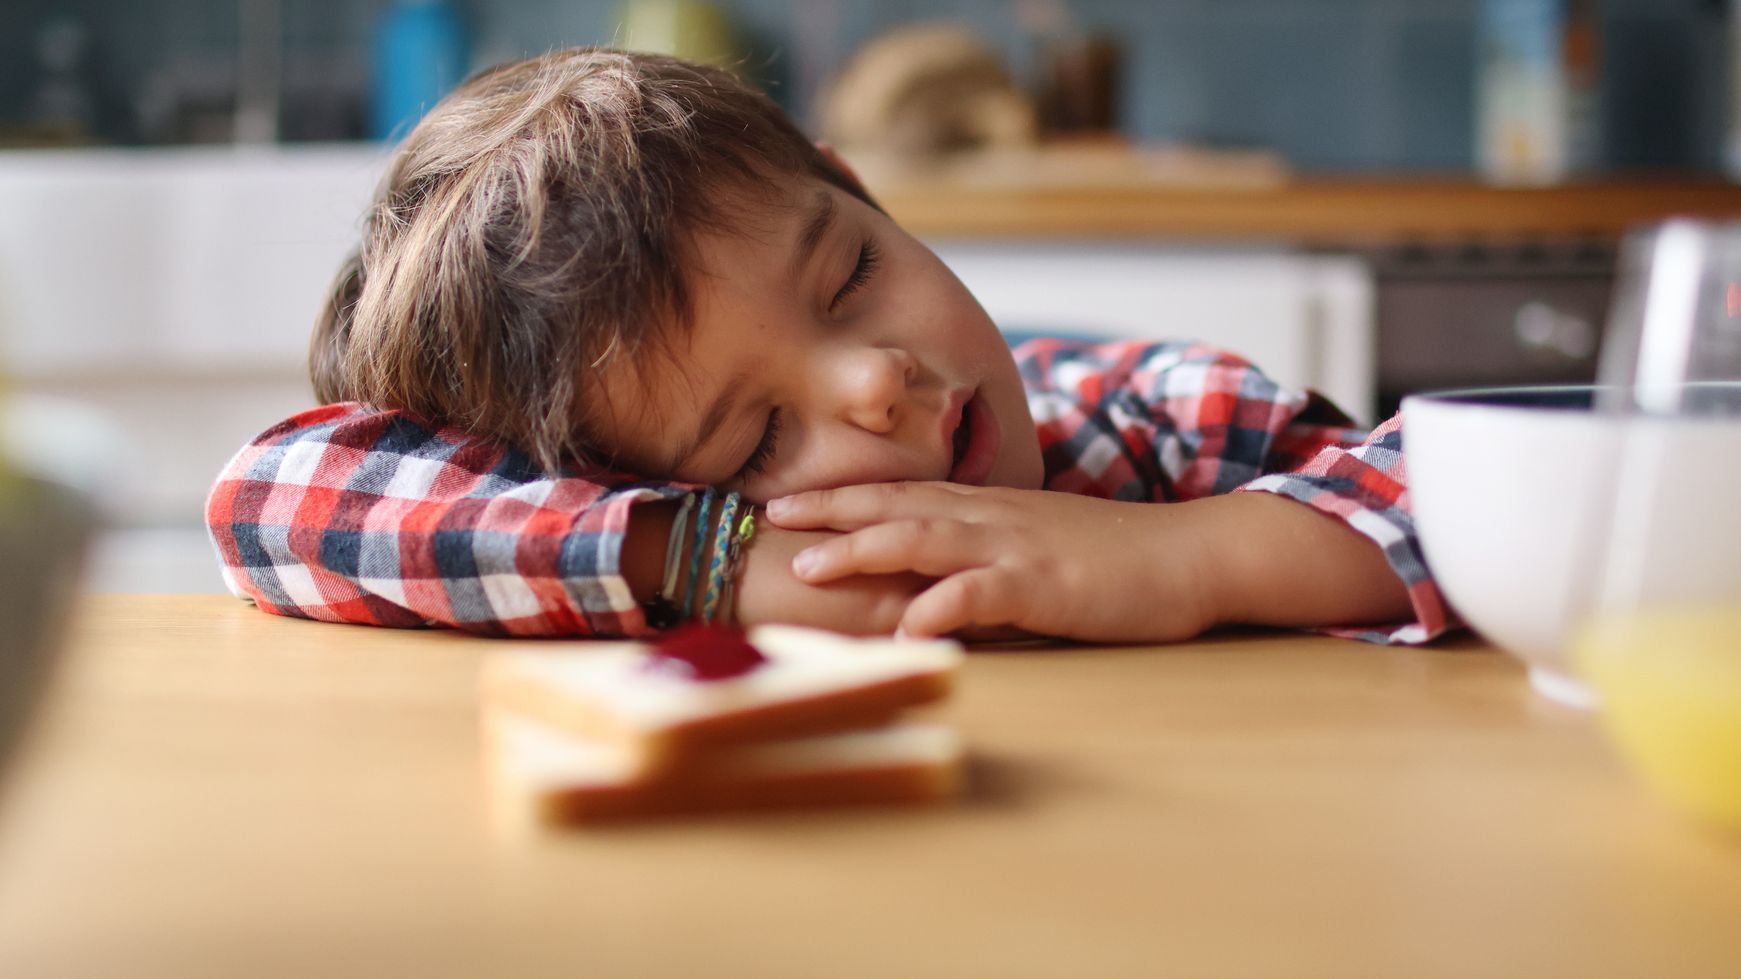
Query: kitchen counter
x,y
1325,212
219,792
316,191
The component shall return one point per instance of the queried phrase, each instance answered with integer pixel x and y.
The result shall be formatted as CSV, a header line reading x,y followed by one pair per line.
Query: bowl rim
x,y
1483,397
1479,396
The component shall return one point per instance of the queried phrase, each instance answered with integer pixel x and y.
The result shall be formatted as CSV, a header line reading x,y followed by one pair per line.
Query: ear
x,y
829,154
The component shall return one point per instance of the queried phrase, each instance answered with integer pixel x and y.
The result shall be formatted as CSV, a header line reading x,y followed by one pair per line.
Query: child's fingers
x,y
928,547
852,507
977,597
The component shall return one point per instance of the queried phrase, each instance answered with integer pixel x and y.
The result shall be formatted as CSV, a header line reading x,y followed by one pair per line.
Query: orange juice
x,y
1670,682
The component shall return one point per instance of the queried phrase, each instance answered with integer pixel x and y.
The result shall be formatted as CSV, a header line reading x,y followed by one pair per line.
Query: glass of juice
x,y
1661,640
1670,680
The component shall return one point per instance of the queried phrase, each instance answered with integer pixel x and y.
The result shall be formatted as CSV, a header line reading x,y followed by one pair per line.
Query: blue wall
x,y
1332,84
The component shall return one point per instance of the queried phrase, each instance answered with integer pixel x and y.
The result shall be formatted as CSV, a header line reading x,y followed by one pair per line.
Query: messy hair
x,y
534,224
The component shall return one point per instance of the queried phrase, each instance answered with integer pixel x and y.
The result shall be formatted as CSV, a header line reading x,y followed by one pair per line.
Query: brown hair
x,y
535,223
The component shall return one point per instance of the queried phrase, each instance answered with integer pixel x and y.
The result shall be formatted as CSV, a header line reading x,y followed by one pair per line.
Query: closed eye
x,y
764,450
869,258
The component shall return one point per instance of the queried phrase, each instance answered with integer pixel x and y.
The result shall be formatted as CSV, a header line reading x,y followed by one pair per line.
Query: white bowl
x,y
1515,495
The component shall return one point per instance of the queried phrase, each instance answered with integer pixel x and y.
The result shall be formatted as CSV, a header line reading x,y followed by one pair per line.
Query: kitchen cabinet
x,y
211,259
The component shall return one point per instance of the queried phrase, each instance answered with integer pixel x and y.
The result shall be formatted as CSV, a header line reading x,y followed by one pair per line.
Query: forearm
x,y
1269,560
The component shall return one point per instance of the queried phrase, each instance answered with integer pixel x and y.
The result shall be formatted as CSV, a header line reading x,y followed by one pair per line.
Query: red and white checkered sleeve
x,y
350,514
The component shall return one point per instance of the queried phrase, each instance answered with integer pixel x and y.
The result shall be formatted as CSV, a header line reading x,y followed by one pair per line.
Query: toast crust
x,y
895,785
906,764
680,746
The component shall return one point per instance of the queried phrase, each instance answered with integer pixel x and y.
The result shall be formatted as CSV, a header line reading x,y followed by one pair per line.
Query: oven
x,y
1481,314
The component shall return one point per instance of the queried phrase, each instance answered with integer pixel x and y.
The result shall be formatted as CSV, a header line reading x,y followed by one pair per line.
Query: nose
x,y
870,385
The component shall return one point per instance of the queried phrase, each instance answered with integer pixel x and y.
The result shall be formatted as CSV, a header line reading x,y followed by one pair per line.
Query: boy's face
x,y
828,348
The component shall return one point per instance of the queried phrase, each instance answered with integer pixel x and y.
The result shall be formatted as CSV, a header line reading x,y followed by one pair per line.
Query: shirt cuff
x,y
592,563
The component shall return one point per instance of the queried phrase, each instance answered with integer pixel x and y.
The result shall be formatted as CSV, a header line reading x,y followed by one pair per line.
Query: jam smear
x,y
704,652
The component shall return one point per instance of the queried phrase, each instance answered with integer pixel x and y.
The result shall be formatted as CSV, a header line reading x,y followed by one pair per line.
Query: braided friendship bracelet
x,y
721,546
746,531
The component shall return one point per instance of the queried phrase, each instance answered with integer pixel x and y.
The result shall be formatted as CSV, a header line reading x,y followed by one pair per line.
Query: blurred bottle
x,y
1537,93
420,55
1732,148
259,71
690,29
1079,83
62,108
1075,76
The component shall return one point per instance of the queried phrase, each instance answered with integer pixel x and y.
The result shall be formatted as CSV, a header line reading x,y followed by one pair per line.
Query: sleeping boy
x,y
599,291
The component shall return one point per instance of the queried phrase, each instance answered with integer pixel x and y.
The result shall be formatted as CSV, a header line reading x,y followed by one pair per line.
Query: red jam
x,y
702,652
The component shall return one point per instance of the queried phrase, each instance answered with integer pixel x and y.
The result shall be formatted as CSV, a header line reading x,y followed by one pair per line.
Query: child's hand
x,y
769,592
1048,563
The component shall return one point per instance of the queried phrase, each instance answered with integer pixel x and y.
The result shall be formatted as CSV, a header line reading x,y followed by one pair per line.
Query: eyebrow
x,y
822,213
715,416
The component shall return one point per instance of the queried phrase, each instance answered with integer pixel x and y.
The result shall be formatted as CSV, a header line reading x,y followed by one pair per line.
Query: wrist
x,y
682,558
642,563
666,555
1195,570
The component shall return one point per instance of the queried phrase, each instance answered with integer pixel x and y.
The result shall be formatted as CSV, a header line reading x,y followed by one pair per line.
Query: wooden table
x,y
215,791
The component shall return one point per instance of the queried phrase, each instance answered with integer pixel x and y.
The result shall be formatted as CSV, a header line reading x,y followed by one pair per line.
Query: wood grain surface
x,y
217,792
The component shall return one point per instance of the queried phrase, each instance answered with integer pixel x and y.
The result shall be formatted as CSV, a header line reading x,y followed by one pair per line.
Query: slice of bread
x,y
813,683
538,774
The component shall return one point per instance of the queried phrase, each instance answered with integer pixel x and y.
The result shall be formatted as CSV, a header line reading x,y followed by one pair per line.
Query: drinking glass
x,y
55,459
1661,640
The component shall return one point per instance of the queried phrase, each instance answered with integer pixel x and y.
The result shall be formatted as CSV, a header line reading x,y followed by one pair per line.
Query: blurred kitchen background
x,y
1369,197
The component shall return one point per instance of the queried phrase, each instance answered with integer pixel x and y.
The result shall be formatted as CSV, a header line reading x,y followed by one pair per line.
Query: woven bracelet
x,y
721,546
746,531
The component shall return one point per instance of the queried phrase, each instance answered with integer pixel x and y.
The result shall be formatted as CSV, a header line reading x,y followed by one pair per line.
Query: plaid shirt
x,y
349,513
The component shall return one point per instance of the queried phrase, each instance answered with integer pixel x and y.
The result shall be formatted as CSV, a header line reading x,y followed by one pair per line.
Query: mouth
x,y
960,441
974,443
